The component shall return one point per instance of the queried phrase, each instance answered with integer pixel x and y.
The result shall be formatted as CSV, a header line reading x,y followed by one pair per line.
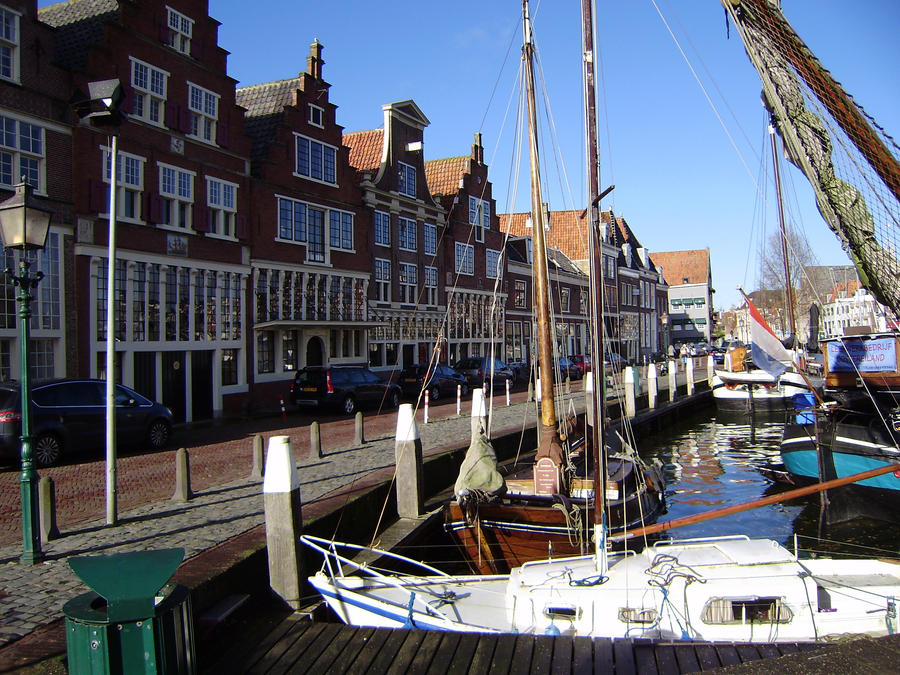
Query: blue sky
x,y
679,181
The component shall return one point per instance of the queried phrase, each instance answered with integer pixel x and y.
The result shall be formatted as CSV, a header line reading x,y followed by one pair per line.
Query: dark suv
x,y
439,379
347,387
477,370
70,415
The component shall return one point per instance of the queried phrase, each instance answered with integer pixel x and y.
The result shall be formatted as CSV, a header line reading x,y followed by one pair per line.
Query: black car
x,y
440,380
567,369
477,370
69,415
345,387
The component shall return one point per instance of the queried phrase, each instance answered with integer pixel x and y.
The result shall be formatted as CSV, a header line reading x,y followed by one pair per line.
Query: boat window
x,y
746,610
562,612
637,615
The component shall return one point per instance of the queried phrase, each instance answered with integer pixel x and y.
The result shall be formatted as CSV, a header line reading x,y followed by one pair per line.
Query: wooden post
x,y
408,455
689,371
256,472
710,369
479,413
183,492
673,379
47,509
284,520
652,391
630,404
315,440
359,437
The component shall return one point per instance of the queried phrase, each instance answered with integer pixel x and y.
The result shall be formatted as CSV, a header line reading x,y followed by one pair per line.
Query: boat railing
x,y
333,559
699,540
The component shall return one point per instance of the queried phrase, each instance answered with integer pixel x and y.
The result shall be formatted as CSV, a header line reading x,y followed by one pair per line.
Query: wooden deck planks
x,y
298,645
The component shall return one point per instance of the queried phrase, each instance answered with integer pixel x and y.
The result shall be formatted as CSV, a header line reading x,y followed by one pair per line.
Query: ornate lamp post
x,y
664,318
24,225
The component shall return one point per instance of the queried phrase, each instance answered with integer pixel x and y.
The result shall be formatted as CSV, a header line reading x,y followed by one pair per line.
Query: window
x,y
564,299
465,258
265,352
222,200
406,179
176,189
521,290
382,228
229,366
700,302
129,183
316,115
180,30
315,160
492,264
21,153
315,245
430,238
431,282
291,220
149,86
9,44
340,229
408,282
407,238
582,302
383,279
204,107
746,610
479,216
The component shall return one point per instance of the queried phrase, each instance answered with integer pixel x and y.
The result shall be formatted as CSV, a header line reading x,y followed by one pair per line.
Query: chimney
x,y
478,149
314,61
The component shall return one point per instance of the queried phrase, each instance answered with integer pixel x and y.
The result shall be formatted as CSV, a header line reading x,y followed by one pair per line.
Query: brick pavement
x,y
227,501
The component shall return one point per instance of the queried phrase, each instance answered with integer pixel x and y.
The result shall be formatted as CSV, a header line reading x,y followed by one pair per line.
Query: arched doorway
x,y
315,352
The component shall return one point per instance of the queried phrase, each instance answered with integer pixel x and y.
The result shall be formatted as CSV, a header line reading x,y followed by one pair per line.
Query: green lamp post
x,y
24,224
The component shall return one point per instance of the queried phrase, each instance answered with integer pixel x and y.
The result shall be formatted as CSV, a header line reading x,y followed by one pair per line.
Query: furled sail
x,y
851,163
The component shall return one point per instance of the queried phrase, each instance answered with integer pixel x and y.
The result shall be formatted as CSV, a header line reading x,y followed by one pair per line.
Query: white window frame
x,y
409,280
204,115
181,30
406,179
431,283
316,115
465,259
149,97
429,237
479,207
222,208
382,228
406,237
10,45
565,299
520,293
129,185
326,150
383,279
492,271
179,202
18,154
340,236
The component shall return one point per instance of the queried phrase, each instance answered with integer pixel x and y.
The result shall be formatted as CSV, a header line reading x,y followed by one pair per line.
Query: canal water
x,y
719,461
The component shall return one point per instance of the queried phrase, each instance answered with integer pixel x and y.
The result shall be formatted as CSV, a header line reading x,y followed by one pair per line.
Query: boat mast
x,y
789,290
542,293
596,279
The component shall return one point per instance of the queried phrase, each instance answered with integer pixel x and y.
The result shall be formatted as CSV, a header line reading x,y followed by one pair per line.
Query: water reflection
x,y
712,463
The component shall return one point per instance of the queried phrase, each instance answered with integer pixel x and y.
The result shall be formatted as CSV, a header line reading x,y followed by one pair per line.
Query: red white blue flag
x,y
767,351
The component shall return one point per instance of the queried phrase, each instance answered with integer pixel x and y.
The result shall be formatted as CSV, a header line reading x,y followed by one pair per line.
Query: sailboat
x,y
548,508
723,589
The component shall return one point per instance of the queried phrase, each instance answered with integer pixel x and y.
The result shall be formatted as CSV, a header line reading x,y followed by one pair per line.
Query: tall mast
x,y
789,290
596,279
545,353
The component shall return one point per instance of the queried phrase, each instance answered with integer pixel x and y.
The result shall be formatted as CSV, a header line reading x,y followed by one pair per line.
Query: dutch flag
x,y
767,350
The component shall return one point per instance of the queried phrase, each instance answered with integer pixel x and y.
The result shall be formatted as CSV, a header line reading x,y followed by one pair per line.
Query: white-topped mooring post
x,y
284,520
689,371
710,368
589,399
652,391
629,380
673,381
479,413
408,455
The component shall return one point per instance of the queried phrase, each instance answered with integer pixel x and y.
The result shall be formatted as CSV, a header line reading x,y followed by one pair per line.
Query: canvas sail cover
x,y
478,475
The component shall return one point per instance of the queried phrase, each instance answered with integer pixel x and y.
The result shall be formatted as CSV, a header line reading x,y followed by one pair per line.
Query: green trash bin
x,y
133,621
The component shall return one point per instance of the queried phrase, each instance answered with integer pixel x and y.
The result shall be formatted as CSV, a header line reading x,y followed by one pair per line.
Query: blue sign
x,y
863,356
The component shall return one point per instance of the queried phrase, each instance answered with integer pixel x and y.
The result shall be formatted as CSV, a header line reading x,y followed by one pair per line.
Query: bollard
x,y
283,411
359,437
537,390
256,472
47,509
458,400
284,520
568,385
426,407
652,391
630,406
315,440
673,382
507,393
183,492
408,456
479,413
530,391
690,375
589,399
710,368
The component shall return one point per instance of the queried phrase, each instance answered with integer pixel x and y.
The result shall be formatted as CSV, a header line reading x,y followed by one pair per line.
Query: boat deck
x,y
300,645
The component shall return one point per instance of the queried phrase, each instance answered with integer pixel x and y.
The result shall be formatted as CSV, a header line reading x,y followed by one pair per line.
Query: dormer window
x,y
181,28
316,116
406,179
149,85
479,216
316,160
9,44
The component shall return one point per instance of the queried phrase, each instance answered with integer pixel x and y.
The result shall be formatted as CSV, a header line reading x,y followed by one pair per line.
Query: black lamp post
x,y
664,318
24,225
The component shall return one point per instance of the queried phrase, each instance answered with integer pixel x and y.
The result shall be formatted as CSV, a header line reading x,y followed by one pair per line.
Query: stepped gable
x,y
265,105
79,25
683,267
444,176
366,149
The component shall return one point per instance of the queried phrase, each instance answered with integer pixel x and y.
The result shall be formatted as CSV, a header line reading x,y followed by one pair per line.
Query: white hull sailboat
x,y
756,389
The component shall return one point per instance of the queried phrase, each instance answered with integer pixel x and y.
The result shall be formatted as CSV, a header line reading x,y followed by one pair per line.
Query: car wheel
x,y
158,434
394,399
349,405
46,449
434,393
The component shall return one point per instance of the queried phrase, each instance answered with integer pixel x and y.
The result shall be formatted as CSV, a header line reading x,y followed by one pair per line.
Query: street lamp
x,y
664,318
102,107
23,225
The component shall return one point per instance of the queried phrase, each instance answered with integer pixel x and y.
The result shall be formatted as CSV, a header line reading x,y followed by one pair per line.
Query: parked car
x,y
614,362
344,387
69,415
583,361
567,369
522,370
440,380
477,371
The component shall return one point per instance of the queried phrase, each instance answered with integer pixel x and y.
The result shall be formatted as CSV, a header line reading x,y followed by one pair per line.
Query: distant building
x,y
851,306
690,307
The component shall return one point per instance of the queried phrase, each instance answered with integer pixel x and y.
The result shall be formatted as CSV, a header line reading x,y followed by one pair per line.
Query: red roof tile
x,y
366,148
444,175
676,266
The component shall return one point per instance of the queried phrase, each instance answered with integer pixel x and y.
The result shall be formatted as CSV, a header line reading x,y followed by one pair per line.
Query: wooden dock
x,y
298,645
